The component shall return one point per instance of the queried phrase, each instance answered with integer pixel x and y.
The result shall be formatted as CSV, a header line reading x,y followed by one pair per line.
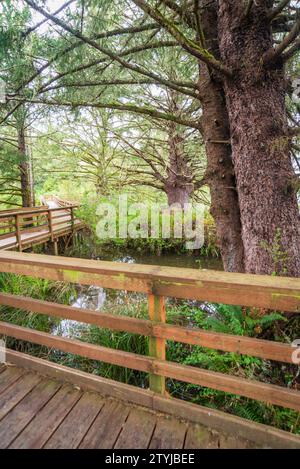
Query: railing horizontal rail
x,y
33,211
273,293
268,393
276,293
260,348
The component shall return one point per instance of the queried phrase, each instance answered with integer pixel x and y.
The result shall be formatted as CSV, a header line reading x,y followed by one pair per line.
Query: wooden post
x,y
157,347
55,247
18,232
50,224
72,219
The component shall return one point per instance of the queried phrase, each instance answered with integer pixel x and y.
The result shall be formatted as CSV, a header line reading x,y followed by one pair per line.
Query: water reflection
x,y
97,298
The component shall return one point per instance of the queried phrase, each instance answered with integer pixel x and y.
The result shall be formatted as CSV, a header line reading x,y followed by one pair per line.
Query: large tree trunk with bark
x,y
25,171
255,97
178,184
220,171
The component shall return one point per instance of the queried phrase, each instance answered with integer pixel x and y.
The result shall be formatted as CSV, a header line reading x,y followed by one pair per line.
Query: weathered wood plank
x,y
9,376
86,381
77,347
16,392
253,389
280,293
200,437
255,432
110,321
169,433
137,430
107,426
261,348
45,422
24,412
72,430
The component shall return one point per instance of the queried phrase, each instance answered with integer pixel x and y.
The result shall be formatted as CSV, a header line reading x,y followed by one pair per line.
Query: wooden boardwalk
x,y
23,228
44,403
38,412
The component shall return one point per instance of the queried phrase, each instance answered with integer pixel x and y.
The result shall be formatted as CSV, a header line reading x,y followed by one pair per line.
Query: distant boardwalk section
x,y
23,228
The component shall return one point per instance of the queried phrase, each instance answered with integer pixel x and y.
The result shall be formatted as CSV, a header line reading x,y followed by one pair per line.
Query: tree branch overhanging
x,y
190,46
119,107
104,50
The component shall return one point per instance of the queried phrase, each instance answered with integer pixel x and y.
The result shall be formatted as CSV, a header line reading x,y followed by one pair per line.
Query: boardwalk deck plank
x,y
107,426
137,431
39,412
46,421
9,376
77,423
169,434
16,392
12,425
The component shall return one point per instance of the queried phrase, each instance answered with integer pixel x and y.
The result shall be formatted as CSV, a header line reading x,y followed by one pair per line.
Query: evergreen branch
x,y
118,107
104,50
190,46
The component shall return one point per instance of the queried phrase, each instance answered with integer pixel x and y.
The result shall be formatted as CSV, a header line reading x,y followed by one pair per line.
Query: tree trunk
x,y
220,171
25,171
178,195
178,184
255,98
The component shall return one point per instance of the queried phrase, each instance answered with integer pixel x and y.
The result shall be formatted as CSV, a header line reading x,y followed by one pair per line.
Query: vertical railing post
x,y
18,232
50,222
157,346
72,219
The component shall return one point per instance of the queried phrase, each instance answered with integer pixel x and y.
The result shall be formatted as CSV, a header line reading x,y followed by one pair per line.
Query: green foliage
x,y
160,245
232,320
34,288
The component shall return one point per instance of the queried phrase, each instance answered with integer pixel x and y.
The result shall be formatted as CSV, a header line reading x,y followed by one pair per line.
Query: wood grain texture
x,y
77,423
280,293
137,431
16,392
169,433
107,426
15,422
157,345
45,422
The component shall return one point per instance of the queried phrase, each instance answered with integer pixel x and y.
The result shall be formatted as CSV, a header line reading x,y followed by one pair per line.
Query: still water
x,y
97,298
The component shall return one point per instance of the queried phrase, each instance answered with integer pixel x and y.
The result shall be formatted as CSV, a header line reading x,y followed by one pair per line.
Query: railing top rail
x,y
282,293
62,202
34,211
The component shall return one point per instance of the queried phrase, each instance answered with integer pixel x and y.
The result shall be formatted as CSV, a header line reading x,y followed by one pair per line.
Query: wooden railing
x,y
43,221
58,201
275,293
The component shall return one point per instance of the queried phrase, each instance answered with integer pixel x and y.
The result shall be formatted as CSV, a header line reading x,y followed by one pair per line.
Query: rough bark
x,y
178,184
255,98
25,171
220,171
